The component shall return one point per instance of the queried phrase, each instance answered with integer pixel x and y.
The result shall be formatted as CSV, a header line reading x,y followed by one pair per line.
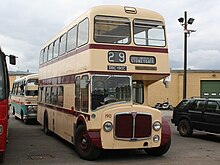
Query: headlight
x,y
157,126
30,108
35,108
156,138
107,126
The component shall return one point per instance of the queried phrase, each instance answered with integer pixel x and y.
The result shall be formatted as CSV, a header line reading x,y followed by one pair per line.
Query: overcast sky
x,y
28,24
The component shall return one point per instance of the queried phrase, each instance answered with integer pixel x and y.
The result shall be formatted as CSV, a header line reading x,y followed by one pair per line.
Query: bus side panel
x,y
3,124
16,105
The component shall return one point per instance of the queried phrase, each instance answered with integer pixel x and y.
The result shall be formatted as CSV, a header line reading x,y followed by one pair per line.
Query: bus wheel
x,y
25,121
2,157
13,111
83,145
159,151
46,129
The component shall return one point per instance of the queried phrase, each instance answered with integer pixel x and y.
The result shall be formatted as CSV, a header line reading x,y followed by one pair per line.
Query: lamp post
x,y
184,22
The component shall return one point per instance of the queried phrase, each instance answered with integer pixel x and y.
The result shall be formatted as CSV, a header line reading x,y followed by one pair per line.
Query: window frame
x,y
78,33
130,31
62,44
56,47
73,28
151,22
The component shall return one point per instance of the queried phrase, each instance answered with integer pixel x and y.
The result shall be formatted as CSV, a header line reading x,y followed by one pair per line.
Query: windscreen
x,y
108,89
32,87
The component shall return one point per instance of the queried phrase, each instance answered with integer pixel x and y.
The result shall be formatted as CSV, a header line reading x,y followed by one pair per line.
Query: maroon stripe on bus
x,y
70,79
107,47
130,48
67,79
64,110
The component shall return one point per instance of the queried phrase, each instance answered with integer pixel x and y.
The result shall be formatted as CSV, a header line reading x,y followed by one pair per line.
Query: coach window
x,y
84,93
138,92
77,94
39,94
60,96
48,91
16,88
71,39
50,52
43,91
19,88
62,44
83,32
55,48
54,96
116,30
45,54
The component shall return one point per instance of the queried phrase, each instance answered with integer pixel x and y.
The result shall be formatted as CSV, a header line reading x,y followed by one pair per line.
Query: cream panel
x,y
162,62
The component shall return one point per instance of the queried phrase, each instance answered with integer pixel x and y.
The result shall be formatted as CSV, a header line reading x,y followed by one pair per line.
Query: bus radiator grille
x,y
131,126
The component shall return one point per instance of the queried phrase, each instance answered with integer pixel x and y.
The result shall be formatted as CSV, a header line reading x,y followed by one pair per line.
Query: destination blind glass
x,y
142,59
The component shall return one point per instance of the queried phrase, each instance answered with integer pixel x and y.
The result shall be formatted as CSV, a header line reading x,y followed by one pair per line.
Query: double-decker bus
x,y
94,77
4,105
24,96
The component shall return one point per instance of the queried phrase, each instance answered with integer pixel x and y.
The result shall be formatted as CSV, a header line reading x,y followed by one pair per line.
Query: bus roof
x,y
27,77
110,10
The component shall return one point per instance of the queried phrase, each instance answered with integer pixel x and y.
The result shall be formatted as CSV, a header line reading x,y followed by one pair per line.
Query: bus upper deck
x,y
127,40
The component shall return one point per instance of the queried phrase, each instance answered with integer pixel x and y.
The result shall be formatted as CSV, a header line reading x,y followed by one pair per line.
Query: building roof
x,y
195,71
19,73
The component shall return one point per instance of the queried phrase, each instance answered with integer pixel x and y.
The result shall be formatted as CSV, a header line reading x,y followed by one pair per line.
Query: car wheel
x,y
185,128
83,145
159,151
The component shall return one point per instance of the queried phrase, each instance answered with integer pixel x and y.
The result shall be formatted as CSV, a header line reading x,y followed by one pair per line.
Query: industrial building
x,y
200,83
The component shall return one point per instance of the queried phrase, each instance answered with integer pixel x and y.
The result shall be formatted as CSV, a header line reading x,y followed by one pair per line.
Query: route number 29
x,y
116,57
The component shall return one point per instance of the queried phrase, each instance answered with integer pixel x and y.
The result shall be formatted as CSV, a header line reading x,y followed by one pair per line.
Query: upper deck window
x,y
62,44
149,33
83,32
71,38
115,30
55,48
41,60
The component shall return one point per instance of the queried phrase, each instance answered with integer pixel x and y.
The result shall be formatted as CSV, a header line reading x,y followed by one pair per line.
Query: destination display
x,y
135,59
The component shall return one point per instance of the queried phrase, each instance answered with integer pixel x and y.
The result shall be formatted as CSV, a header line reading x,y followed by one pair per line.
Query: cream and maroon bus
x,y
23,98
94,77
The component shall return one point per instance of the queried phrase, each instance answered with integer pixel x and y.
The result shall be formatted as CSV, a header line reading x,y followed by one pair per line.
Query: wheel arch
x,y
185,117
166,132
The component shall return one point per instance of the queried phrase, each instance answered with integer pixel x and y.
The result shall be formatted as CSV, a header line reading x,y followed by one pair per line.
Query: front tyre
x,y
185,128
2,157
159,151
83,145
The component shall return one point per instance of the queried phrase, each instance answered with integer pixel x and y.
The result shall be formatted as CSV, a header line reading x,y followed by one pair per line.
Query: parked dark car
x,y
197,114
